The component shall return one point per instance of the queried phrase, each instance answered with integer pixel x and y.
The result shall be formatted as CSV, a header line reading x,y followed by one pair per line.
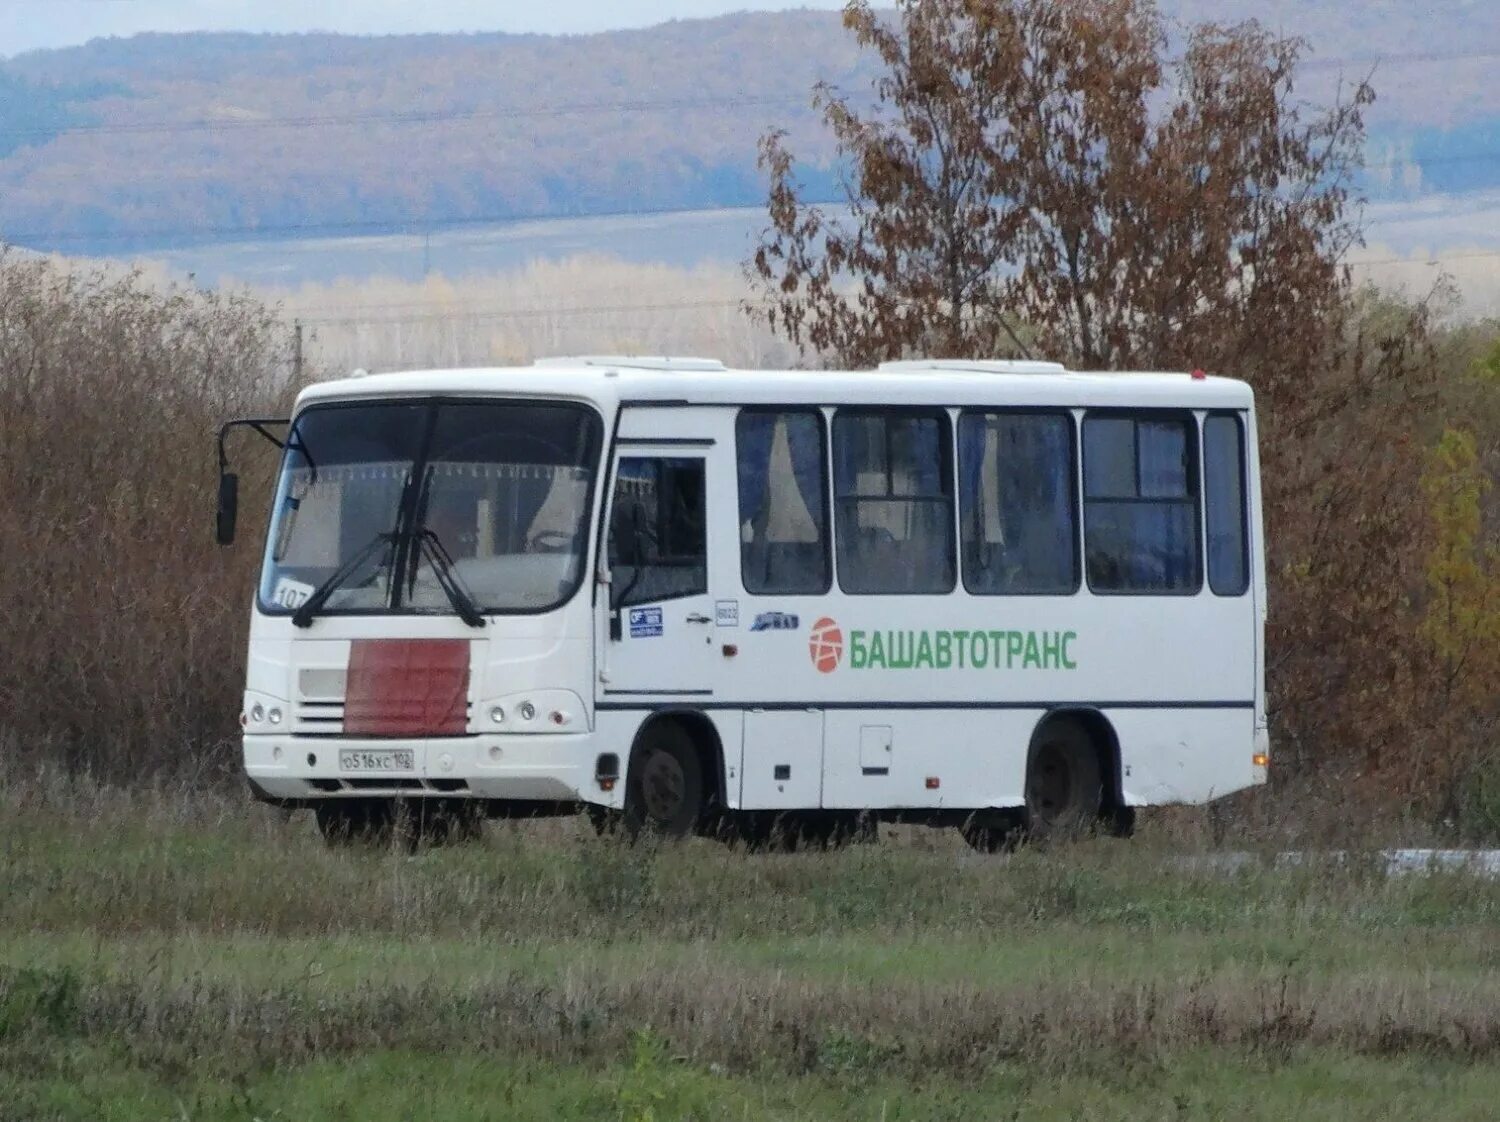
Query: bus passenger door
x,y
658,634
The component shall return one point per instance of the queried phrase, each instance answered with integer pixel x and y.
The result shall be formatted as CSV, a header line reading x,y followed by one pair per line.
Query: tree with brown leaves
x,y
1042,163
1043,175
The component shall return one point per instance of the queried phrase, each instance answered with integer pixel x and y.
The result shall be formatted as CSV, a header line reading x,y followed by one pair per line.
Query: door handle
x,y
695,617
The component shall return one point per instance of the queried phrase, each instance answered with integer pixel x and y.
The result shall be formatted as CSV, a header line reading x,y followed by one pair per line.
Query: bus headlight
x,y
274,716
530,712
257,713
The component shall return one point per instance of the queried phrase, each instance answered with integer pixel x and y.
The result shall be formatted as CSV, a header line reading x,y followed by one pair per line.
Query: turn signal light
x,y
1260,759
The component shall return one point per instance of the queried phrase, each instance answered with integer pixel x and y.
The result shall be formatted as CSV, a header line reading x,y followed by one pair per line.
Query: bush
x,y
122,625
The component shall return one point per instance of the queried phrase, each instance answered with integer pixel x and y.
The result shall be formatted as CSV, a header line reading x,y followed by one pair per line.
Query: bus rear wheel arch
x,y
674,776
1073,777
1071,786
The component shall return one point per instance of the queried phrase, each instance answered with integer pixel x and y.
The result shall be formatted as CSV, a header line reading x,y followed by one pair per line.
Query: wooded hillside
x,y
164,138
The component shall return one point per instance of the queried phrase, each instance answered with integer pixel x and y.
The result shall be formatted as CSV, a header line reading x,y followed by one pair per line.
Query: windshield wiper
x,y
448,579
303,616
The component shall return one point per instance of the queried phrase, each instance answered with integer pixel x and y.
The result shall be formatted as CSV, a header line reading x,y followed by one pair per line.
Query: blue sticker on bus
x,y
775,621
645,623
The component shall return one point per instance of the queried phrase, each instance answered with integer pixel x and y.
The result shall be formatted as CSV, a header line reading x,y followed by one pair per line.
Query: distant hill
x,y
161,139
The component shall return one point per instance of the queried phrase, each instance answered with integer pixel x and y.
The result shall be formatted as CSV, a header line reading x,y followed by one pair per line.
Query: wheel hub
x,y
663,786
1050,792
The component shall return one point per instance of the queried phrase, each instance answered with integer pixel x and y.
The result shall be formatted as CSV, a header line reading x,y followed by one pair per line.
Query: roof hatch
x,y
635,362
971,366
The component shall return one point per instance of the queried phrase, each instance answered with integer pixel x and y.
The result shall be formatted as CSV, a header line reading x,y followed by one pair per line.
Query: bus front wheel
x,y
664,785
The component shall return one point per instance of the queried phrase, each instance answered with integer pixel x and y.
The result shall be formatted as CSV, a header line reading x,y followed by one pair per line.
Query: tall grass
x,y
190,932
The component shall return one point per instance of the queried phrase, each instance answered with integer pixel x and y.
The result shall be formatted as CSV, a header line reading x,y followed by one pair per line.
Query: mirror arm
x,y
228,482
257,424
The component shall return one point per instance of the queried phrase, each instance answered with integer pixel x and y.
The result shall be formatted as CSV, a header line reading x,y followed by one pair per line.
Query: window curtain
x,y
807,466
756,434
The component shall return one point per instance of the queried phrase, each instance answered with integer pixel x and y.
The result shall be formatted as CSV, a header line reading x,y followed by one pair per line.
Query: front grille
x,y
320,716
326,718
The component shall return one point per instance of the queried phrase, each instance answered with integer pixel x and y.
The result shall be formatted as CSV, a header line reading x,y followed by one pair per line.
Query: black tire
x,y
344,822
664,785
1064,785
994,831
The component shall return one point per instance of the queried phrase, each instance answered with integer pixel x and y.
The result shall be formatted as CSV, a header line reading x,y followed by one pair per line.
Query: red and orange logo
x,y
826,645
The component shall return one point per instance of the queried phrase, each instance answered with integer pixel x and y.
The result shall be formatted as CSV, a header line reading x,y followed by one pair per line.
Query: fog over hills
x,y
164,139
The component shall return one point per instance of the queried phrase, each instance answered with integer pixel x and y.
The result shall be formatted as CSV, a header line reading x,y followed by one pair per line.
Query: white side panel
x,y
783,759
977,757
1184,756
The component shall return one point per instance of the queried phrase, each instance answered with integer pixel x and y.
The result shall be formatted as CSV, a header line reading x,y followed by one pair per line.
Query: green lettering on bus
x,y
977,650
1015,643
1033,655
859,654
923,656
1051,650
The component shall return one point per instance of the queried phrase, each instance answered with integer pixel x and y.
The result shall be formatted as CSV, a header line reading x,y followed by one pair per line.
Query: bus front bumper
x,y
539,767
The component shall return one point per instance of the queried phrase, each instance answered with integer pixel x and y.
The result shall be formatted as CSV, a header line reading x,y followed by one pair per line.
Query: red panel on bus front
x,y
407,687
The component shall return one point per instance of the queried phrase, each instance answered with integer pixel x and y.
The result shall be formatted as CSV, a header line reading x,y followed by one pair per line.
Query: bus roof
x,y
608,381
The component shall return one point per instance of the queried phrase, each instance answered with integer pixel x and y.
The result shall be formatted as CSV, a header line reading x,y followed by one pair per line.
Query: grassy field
x,y
166,955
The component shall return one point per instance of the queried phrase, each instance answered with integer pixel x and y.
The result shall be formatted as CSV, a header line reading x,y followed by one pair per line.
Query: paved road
x,y
1398,862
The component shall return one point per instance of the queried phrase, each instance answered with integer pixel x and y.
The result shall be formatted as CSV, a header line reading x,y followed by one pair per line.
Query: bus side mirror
x,y
229,504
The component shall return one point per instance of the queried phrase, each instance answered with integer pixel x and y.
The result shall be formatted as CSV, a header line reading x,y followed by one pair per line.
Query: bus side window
x,y
1224,506
658,548
1140,514
893,496
1018,503
783,502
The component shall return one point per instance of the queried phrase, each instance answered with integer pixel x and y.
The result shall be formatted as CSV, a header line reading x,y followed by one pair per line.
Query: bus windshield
x,y
503,488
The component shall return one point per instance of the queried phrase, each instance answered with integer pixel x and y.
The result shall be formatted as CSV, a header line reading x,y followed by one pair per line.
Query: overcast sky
x,y
28,24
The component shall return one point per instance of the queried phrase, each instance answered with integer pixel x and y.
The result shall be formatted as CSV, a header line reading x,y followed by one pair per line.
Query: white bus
x,y
991,595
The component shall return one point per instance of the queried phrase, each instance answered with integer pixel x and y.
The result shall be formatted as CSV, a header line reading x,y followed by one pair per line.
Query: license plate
x,y
380,759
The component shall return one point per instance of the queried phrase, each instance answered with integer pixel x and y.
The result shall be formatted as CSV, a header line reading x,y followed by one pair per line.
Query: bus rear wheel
x,y
1064,787
664,784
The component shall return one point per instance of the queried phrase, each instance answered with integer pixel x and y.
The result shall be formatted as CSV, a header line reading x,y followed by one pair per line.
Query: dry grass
x,y
194,929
